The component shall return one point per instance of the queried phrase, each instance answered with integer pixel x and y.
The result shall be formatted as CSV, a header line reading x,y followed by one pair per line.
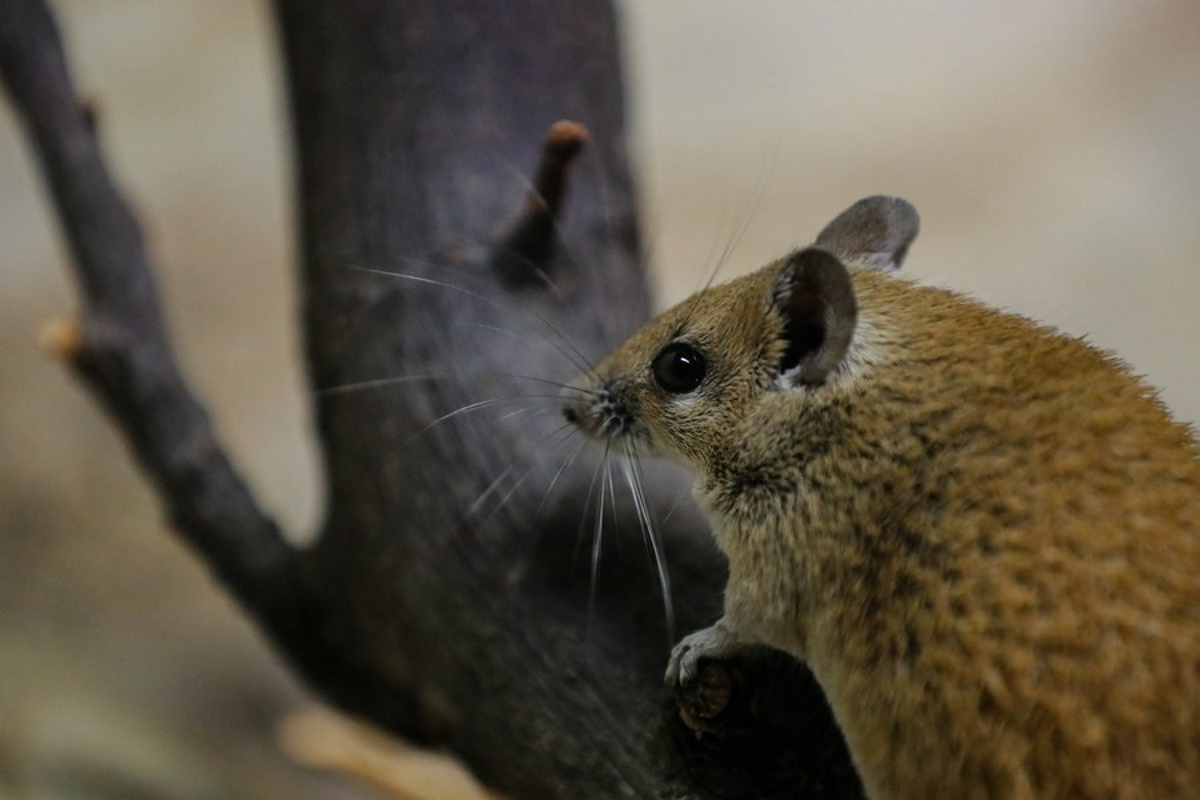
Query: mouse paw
x,y
700,680
713,643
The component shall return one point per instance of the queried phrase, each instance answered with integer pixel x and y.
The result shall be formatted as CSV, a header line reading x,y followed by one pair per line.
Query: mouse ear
x,y
874,232
815,296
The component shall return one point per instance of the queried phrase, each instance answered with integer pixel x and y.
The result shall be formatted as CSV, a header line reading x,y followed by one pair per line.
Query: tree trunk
x,y
452,595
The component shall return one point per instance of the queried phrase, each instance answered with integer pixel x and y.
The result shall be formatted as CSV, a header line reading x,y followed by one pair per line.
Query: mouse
x,y
981,535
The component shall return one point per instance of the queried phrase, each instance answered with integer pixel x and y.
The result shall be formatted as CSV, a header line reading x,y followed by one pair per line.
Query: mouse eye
x,y
679,368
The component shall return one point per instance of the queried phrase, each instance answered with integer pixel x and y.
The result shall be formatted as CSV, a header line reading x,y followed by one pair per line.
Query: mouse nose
x,y
570,415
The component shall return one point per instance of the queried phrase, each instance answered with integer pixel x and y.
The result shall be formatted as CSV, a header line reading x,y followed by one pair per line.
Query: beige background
x,y
1052,149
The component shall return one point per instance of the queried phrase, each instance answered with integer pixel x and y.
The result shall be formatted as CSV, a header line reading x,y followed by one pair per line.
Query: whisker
x,y
376,383
383,383
567,462
612,500
519,412
605,484
587,507
578,359
531,342
741,223
633,477
546,278
517,484
509,494
719,245
467,409
675,506
599,167
471,509
751,211
548,382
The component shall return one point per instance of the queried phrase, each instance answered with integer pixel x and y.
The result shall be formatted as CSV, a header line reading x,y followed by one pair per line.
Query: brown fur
x,y
982,536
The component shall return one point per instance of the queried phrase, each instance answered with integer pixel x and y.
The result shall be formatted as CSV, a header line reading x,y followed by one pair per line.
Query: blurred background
x,y
1053,151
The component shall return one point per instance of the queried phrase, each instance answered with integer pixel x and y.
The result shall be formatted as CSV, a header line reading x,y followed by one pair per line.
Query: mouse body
x,y
981,535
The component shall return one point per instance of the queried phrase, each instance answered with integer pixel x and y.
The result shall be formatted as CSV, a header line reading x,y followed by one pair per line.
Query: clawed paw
x,y
698,677
683,665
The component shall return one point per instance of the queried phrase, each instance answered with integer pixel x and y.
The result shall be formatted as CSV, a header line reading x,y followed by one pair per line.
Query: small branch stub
x,y
62,338
89,108
523,256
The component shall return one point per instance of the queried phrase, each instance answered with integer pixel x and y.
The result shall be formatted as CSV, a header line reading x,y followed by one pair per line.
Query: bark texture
x,y
445,276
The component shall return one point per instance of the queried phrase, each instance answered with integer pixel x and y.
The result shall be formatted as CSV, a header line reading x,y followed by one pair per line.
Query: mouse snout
x,y
601,413
579,408
571,397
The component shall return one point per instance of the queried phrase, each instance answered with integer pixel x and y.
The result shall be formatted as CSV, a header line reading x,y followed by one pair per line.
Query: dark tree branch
x,y
119,345
109,254
445,598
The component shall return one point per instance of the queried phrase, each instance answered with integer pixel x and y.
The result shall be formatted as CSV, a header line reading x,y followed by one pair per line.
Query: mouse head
x,y
683,385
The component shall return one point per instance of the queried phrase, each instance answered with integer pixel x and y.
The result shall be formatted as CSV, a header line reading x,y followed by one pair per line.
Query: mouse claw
x,y
704,698
695,673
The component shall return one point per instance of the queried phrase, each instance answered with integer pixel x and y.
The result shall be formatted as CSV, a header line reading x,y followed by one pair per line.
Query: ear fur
x,y
814,294
874,232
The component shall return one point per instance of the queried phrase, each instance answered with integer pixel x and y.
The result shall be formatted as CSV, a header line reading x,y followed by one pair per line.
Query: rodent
x,y
981,535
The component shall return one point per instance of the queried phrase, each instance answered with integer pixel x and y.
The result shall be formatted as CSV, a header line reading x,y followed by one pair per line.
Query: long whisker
x,y
600,172
491,487
605,485
679,497
449,415
567,462
533,412
578,358
751,211
376,383
587,507
548,382
563,241
742,224
516,484
633,477
579,363
612,501
400,380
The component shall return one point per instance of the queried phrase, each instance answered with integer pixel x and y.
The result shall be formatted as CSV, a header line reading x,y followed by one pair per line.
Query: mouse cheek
x,y
673,442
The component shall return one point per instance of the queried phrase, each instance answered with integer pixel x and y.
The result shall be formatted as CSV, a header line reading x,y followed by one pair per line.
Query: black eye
x,y
679,368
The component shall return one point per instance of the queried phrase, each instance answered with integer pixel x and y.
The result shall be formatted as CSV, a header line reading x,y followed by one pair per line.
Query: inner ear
x,y
814,295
